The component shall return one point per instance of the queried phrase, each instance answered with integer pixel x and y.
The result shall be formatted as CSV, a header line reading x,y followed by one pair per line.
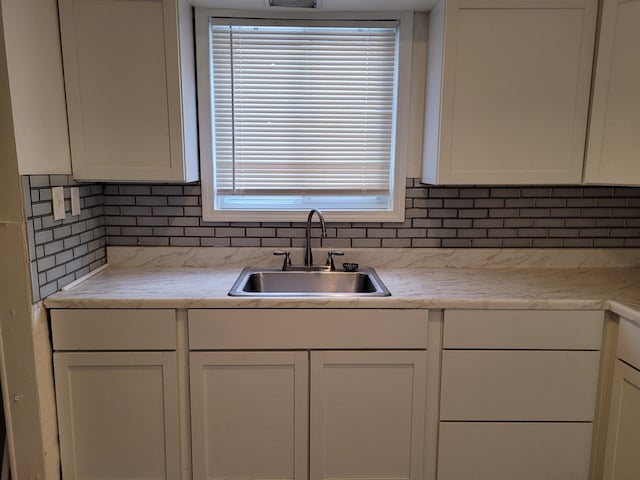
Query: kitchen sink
x,y
265,282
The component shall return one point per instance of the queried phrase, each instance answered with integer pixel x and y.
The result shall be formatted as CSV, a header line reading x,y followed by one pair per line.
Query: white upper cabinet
x,y
508,91
614,144
129,79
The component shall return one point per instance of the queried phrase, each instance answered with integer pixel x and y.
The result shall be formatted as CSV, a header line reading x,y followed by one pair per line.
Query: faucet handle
x,y
330,255
286,263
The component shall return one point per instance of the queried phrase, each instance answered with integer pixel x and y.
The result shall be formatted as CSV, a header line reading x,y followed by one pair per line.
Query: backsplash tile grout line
x,y
452,216
61,251
538,216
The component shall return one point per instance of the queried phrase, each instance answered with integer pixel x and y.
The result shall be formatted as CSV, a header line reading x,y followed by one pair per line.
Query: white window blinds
x,y
303,109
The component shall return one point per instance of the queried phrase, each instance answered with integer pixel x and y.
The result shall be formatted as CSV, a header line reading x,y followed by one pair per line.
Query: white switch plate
x,y
75,201
57,197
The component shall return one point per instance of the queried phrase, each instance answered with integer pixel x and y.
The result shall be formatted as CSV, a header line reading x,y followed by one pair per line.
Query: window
x,y
300,114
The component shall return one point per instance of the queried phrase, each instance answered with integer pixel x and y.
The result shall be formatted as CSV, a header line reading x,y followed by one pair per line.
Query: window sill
x,y
301,216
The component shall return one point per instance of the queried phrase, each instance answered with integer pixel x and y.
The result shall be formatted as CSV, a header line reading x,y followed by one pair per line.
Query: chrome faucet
x,y
308,255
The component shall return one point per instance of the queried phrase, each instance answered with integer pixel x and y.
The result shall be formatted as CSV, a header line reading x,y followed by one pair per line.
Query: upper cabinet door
x,y
508,91
130,89
614,143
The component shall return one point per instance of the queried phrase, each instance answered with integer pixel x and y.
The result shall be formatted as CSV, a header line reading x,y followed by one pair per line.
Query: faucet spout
x,y
308,254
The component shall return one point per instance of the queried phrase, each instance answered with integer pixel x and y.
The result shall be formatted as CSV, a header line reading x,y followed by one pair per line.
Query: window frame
x,y
401,117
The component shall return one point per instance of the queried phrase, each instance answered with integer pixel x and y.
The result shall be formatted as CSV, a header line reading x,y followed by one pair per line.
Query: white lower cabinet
x,y
512,385
510,451
117,415
250,414
518,394
622,461
118,410
367,414
334,394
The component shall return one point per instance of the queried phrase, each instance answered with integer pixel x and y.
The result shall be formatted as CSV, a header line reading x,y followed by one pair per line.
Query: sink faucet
x,y
308,255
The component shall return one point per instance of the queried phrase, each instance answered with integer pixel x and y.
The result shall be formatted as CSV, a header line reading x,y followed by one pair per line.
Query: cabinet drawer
x,y
523,329
629,342
519,385
508,451
251,329
113,329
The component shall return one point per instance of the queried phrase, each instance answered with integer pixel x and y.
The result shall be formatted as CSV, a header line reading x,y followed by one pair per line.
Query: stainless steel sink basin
x,y
265,282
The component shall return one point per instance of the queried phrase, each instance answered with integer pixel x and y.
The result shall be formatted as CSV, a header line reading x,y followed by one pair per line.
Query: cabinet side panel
x,y
435,47
629,343
622,460
34,62
614,143
189,116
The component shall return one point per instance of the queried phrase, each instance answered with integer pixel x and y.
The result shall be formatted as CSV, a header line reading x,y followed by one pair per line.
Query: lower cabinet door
x,y
118,415
514,451
367,414
249,415
622,460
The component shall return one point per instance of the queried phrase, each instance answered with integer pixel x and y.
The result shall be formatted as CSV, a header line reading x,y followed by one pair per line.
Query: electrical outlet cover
x,y
57,198
75,201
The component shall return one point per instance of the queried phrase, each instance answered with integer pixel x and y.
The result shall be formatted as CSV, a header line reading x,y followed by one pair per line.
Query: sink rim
x,y
237,289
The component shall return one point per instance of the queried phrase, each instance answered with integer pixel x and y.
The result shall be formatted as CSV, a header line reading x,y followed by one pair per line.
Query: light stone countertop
x,y
163,278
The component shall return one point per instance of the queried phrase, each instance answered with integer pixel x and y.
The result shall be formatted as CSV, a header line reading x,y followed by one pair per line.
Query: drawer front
x,y
250,329
508,451
519,385
113,329
629,342
523,329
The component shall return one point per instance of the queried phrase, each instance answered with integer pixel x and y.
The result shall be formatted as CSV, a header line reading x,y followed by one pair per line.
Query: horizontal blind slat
x,y
305,109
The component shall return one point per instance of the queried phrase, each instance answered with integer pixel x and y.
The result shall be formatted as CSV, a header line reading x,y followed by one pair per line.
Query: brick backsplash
x,y
64,250
452,216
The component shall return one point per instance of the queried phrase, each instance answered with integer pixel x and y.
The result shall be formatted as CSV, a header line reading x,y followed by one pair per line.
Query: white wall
x,y
18,377
34,61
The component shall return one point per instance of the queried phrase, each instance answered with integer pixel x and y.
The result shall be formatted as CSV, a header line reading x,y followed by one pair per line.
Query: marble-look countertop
x,y
515,279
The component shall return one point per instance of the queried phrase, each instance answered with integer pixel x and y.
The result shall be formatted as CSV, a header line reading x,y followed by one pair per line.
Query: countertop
x,y
163,284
